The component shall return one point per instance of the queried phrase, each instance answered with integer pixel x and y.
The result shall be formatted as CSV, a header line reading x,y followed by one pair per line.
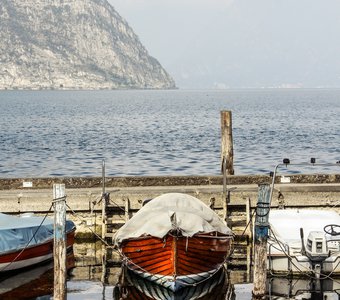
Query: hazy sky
x,y
240,43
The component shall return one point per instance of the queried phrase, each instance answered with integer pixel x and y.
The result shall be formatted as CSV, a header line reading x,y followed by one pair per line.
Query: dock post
x,y
59,249
227,157
127,208
224,192
104,201
249,221
227,149
104,265
260,241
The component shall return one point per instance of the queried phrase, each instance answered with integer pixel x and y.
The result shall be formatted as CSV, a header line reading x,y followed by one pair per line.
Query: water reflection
x,y
98,275
30,283
132,287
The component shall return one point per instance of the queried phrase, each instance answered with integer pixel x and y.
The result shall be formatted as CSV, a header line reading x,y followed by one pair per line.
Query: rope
x,y
205,279
76,216
127,261
288,256
26,246
262,205
122,209
322,276
244,230
63,198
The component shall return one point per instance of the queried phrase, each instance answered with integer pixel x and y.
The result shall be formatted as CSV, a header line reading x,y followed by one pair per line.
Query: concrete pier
x,y
83,194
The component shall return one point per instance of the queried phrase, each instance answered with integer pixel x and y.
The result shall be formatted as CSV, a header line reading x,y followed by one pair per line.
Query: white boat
x,y
303,241
27,240
280,288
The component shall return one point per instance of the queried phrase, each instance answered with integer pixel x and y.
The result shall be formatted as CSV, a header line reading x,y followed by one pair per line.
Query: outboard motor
x,y
317,251
316,248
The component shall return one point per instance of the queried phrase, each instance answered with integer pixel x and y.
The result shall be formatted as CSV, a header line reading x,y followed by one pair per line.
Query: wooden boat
x,y
175,240
134,287
27,240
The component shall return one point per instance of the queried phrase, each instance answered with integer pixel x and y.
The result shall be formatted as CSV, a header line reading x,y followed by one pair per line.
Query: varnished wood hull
x,y
137,288
176,261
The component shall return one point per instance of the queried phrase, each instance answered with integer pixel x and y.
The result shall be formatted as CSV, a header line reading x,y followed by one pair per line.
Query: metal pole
x,y
103,176
59,250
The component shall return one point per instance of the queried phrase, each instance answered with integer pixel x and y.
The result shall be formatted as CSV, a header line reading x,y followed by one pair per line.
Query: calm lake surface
x,y
87,282
68,133
92,279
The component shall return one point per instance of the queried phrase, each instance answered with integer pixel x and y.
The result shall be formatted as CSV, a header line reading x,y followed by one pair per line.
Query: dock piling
x,y
260,241
224,192
227,157
59,250
227,148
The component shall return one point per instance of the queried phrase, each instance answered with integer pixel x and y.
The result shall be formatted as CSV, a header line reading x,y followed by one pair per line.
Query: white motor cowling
x,y
316,247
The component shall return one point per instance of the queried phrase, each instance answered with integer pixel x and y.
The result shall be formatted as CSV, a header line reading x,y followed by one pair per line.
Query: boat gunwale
x,y
198,235
69,234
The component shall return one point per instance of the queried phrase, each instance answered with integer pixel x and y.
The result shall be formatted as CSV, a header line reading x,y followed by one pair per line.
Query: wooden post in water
x,y
260,241
227,149
227,156
103,201
59,250
224,192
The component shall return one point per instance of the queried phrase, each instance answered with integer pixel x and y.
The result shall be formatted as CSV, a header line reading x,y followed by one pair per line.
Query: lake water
x,y
68,133
90,279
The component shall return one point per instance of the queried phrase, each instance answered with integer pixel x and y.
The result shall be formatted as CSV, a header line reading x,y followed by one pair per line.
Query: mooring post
x,y
59,250
227,149
104,265
224,192
227,157
260,241
103,201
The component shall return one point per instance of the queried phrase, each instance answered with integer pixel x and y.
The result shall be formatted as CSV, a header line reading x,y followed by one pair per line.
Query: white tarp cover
x,y
169,211
16,232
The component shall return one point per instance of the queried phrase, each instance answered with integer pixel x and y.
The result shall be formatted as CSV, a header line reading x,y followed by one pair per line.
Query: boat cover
x,y
16,232
171,211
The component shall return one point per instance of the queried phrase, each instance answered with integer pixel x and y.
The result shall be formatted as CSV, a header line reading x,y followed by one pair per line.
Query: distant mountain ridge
x,y
73,44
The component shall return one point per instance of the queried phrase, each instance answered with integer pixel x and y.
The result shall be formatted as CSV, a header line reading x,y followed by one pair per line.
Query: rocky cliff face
x,y
72,44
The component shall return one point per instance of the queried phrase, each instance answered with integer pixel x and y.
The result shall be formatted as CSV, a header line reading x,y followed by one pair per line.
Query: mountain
x,y
73,44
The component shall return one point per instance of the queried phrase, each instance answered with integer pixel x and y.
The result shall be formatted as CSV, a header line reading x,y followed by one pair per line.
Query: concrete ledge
x,y
84,194
148,181
88,199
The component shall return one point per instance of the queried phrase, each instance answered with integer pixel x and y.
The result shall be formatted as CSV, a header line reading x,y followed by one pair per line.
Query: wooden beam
x,y
227,148
59,250
260,242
